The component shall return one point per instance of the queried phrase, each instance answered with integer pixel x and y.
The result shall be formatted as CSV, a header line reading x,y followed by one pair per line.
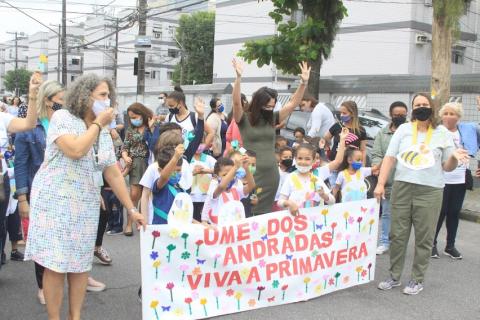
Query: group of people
x,y
73,156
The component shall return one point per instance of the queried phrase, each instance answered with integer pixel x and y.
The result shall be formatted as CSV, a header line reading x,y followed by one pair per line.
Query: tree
x,y
195,37
445,28
309,40
17,79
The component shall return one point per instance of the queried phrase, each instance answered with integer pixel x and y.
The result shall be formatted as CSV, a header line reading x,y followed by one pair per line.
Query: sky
x,y
49,12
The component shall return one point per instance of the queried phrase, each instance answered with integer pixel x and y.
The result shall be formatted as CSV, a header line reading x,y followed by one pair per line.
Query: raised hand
x,y
238,67
344,133
305,71
321,143
461,155
105,117
199,106
35,82
179,150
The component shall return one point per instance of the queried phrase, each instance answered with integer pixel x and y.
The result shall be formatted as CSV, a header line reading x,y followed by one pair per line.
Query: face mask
x,y
240,174
345,119
221,108
422,113
173,110
56,106
398,121
175,178
100,105
304,169
356,165
287,162
266,113
252,169
136,122
162,101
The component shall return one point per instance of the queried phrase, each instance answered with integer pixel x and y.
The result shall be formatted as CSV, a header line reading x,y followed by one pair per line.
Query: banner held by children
x,y
193,272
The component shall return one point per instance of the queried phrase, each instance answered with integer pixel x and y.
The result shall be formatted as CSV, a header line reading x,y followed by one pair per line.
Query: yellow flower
x,y
346,215
203,301
156,263
238,295
324,212
372,221
244,273
306,280
263,230
174,233
359,269
178,312
154,304
318,289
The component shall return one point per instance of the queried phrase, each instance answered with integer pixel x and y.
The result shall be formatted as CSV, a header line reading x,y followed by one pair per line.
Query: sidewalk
x,y
471,206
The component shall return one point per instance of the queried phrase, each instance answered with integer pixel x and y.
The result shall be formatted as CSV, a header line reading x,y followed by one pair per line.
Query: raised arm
x,y
28,123
236,94
170,167
298,95
198,132
340,151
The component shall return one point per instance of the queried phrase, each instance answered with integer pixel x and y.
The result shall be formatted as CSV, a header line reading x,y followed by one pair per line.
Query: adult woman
x,y
135,152
8,123
421,151
216,121
180,114
464,136
257,127
398,113
349,119
13,109
65,194
321,119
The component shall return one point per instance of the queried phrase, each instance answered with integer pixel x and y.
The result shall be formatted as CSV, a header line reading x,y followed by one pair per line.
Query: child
x,y
202,169
252,199
285,166
351,177
225,192
166,187
301,188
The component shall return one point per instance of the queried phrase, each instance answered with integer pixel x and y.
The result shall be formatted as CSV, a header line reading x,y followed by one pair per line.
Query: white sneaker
x,y
95,286
381,250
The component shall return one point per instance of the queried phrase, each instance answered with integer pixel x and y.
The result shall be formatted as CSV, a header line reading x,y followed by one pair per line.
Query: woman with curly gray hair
x,y
65,194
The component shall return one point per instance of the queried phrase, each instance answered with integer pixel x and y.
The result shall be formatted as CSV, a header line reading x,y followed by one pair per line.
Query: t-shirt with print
x,y
162,200
302,190
186,124
457,176
201,182
441,145
355,138
353,186
5,119
152,174
227,201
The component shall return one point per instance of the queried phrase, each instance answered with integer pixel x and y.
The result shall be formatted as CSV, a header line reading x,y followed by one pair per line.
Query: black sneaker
x,y
453,253
16,256
435,254
4,258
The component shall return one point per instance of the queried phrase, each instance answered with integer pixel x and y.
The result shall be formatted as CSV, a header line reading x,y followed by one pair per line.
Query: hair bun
x,y
178,89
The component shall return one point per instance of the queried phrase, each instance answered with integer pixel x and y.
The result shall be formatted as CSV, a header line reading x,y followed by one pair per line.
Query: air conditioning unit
x,y
421,39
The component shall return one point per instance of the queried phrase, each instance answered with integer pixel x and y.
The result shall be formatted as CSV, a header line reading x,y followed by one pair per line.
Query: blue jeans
x,y
114,210
385,223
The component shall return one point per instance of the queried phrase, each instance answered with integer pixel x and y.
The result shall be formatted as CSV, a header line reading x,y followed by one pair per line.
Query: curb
x,y
469,215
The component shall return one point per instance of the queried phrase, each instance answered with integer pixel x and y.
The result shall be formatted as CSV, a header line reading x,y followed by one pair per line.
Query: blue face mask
x,y
241,173
356,165
345,119
221,108
136,122
175,178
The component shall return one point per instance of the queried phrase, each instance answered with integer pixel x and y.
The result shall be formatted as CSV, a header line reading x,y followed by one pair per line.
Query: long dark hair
x,y
433,117
141,110
348,154
260,99
177,95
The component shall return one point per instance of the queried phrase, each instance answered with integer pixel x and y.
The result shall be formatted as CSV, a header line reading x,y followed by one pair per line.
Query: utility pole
x,y
142,31
64,42
115,60
16,60
58,53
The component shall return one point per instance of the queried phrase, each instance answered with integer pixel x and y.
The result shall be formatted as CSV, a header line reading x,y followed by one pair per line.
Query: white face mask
x,y
162,101
304,169
100,105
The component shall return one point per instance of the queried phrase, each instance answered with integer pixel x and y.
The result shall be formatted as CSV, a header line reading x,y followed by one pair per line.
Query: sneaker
x,y
413,288
453,253
435,254
95,286
41,297
103,256
16,256
114,232
381,250
3,258
389,284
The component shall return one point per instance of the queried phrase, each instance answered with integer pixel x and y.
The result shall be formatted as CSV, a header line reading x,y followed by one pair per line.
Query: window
x,y
72,78
458,54
75,61
172,53
169,75
154,74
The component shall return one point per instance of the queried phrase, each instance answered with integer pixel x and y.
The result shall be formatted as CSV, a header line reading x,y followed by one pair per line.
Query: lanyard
x,y
415,134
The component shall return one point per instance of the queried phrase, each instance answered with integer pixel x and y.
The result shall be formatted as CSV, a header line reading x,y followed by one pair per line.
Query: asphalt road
x,y
452,290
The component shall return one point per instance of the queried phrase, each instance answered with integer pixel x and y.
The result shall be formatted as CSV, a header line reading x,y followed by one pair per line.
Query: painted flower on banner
x,y
252,303
346,279
174,233
318,289
178,312
261,263
185,255
275,284
364,273
230,292
331,282
244,273
197,271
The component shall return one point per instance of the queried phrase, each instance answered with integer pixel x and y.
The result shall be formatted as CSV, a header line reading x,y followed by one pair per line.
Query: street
x,y
451,291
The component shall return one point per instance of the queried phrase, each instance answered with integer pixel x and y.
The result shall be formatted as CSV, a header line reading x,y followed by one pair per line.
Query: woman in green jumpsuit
x,y
258,132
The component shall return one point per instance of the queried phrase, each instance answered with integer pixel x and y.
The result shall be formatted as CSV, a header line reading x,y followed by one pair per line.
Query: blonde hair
x,y
47,90
455,106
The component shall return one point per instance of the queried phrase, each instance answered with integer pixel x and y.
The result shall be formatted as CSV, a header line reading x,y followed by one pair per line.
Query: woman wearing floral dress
x,y
65,195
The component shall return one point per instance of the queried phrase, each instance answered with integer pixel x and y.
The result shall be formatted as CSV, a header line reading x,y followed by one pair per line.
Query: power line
x,y
19,9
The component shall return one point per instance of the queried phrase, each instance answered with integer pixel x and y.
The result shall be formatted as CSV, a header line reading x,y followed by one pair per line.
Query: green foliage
x,y
196,35
451,11
23,77
309,40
